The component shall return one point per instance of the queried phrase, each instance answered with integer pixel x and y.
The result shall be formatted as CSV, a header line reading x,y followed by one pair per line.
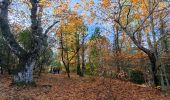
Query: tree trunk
x,y
2,70
78,65
83,59
68,70
83,55
9,71
116,48
25,75
40,70
8,62
154,70
116,40
83,64
38,39
78,54
78,69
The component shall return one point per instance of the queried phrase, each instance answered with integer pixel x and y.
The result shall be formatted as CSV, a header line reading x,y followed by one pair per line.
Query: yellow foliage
x,y
44,3
147,29
69,26
134,2
106,3
137,16
162,5
61,9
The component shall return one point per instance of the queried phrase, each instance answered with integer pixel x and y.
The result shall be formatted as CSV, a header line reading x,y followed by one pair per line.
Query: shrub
x,y
137,76
91,69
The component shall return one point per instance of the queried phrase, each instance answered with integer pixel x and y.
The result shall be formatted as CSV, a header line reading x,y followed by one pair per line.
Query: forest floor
x,y
59,87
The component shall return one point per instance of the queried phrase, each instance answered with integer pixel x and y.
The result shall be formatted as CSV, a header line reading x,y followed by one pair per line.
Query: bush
x,y
91,69
137,76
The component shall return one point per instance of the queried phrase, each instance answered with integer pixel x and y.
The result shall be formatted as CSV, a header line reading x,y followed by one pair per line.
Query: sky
x,y
23,11
106,28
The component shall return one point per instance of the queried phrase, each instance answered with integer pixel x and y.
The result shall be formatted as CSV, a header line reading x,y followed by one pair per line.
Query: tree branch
x,y
143,22
132,37
48,29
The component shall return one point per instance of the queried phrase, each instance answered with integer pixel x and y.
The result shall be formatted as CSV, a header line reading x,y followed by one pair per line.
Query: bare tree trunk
x,y
2,71
79,72
68,70
38,40
154,69
117,48
83,59
66,65
116,40
26,74
1,68
8,62
40,70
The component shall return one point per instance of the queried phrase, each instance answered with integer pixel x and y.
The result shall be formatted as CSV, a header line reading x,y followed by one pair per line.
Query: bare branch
x,y
150,13
48,29
127,21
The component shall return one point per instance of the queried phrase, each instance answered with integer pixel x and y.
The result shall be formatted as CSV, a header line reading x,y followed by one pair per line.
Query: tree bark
x,y
2,71
5,30
26,74
38,40
78,55
68,70
8,62
116,48
66,65
40,70
154,69
83,58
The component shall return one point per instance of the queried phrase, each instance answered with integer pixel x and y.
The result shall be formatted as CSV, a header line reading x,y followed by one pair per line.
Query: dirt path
x,y
59,87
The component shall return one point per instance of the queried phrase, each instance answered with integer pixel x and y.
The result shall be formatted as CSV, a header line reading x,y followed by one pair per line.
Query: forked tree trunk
x,y
25,75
